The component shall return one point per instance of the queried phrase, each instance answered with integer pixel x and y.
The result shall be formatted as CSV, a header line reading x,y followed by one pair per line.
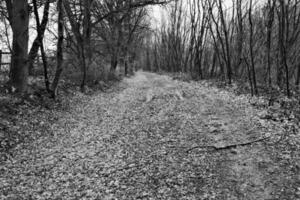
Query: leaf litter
x,y
157,138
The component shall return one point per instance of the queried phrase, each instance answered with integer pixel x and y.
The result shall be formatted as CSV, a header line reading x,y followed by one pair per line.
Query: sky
x,y
159,12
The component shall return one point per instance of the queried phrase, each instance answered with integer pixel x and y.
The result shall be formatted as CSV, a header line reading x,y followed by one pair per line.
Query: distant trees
x,y
86,22
121,32
254,41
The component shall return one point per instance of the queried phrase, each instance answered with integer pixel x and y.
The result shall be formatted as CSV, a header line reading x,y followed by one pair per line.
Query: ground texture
x,y
156,138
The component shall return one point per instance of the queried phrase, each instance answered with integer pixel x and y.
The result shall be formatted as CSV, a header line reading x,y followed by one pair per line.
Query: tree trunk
x,y
282,45
216,48
271,6
37,41
227,47
19,65
157,66
126,67
298,76
40,39
198,59
213,66
86,48
84,68
148,62
253,73
240,36
59,52
113,63
249,76
0,59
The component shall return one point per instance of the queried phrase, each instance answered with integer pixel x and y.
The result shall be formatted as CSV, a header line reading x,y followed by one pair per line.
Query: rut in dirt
x,y
155,138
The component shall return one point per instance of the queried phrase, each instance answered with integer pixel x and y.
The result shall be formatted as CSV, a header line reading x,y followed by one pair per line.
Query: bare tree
x,y
226,41
82,39
59,51
41,28
40,33
240,35
282,41
269,25
251,46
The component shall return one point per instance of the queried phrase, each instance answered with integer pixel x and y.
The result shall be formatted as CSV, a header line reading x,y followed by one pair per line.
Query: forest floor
x,y
152,137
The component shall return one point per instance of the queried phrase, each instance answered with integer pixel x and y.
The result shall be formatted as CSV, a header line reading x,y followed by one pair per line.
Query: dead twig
x,y
227,147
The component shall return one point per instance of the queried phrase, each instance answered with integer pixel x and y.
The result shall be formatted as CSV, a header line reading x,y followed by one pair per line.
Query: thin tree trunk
x,y
298,76
251,51
148,62
271,6
59,52
157,67
126,67
282,45
41,32
224,44
212,71
198,64
84,68
86,52
41,44
227,48
240,36
217,51
249,77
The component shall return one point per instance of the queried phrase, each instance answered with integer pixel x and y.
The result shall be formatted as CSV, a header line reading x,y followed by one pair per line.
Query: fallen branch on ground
x,y
231,146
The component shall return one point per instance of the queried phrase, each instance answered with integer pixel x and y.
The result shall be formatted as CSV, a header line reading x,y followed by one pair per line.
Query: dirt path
x,y
155,139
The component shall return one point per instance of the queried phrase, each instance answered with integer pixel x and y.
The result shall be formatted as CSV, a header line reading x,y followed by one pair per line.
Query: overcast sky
x,y
159,12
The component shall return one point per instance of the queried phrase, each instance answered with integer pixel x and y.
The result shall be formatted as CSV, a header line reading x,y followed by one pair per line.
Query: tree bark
x,y
126,67
113,63
271,6
41,44
240,36
213,66
249,76
251,44
227,47
298,76
19,65
59,52
87,31
39,38
282,44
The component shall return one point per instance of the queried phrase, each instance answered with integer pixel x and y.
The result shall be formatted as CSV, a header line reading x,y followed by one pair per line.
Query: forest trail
x,y
153,138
